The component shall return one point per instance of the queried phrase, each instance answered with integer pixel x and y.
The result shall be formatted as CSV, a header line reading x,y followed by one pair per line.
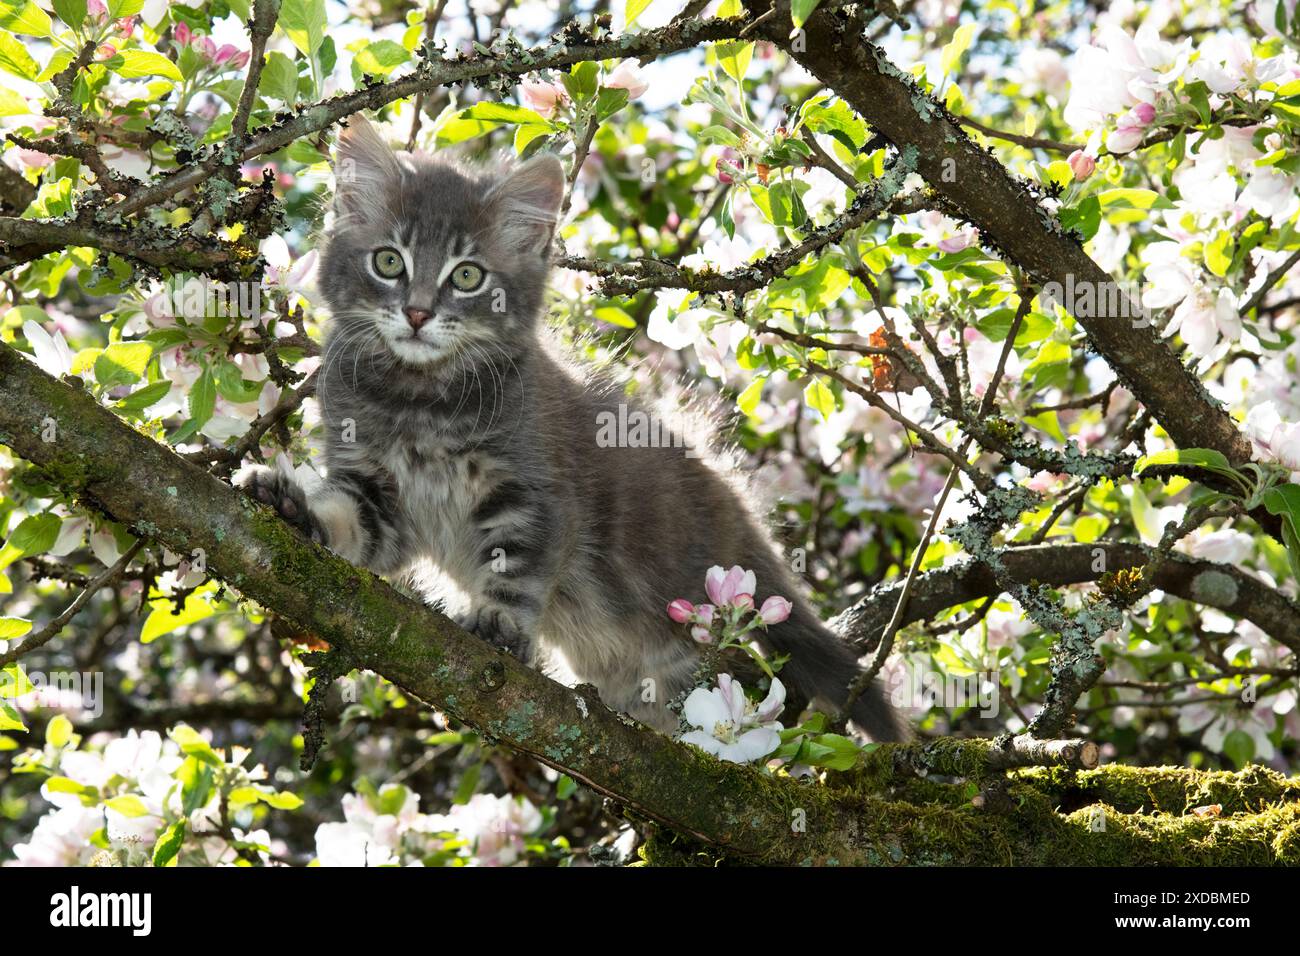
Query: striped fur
x,y
466,454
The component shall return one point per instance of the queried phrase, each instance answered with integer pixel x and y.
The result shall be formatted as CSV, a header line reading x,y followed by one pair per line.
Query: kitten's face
x,y
427,261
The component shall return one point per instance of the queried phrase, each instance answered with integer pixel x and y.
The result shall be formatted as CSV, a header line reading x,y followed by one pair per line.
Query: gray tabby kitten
x,y
463,449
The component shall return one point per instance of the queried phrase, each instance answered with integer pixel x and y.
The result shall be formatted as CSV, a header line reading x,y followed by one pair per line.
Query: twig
x,y
51,630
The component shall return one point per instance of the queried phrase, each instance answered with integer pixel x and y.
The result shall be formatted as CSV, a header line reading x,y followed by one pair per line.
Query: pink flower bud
x,y
125,26
225,53
627,76
240,59
728,166
1082,164
1144,113
205,46
958,242
681,610
743,600
775,610
97,11
181,33
703,618
106,51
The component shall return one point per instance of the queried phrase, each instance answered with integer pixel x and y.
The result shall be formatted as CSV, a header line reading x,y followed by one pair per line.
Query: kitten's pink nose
x,y
416,317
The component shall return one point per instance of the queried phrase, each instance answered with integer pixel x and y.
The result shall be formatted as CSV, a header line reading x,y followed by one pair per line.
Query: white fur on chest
x,y
438,492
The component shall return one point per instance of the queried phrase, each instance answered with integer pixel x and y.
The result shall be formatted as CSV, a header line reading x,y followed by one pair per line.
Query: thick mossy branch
x,y
1055,817
973,759
1166,789
738,812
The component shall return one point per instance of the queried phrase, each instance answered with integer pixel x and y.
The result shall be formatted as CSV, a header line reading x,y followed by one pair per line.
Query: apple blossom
x,y
724,587
731,726
541,97
51,352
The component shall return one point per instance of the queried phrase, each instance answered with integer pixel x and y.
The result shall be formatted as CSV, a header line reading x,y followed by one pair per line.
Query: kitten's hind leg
x,y
285,495
501,627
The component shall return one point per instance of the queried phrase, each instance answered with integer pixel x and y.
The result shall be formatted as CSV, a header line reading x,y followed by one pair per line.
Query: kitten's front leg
x,y
352,515
285,495
513,570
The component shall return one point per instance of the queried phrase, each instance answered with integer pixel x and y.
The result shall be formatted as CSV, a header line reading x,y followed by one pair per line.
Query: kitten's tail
x,y
823,666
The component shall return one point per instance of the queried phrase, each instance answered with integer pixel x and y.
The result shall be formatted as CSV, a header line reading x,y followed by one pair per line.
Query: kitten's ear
x,y
365,169
526,204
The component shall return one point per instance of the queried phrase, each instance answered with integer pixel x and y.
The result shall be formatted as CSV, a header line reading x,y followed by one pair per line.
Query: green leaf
x,y
633,9
128,804
193,744
59,784
1239,747
25,17
565,787
526,133
303,22
117,9
169,844
1089,528
10,719
281,801
58,732
718,134
780,203
382,57
801,10
1284,501
1198,94
135,63
734,57
503,113
35,534
11,104
14,681
609,101
1206,459
956,48
233,386
279,78
748,399
1084,218
819,397
482,118
163,619
142,398
11,627
613,315
1218,253
71,12
15,59
122,363
1132,199
581,80
203,398
834,118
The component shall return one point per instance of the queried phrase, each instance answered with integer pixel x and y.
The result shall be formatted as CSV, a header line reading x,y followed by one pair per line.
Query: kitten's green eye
x,y
388,263
467,277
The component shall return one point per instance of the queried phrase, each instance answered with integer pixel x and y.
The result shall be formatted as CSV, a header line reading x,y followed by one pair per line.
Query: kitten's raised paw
x,y
498,627
282,493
